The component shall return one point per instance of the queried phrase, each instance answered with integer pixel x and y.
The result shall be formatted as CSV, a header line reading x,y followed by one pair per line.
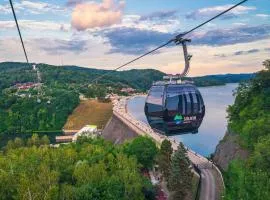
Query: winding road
x,y
211,178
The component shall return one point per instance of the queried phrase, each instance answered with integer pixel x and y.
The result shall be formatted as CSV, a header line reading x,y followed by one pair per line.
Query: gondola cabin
x,y
174,108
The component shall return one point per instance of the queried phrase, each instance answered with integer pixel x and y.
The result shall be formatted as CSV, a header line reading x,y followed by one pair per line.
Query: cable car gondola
x,y
175,106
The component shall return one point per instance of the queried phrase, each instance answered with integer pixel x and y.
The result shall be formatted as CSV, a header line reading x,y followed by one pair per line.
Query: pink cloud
x,y
91,15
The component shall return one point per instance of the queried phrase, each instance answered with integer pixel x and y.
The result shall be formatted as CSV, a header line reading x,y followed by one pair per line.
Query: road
x,y
209,172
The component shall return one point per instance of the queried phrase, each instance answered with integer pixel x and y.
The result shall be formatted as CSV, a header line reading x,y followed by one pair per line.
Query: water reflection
x,y
213,127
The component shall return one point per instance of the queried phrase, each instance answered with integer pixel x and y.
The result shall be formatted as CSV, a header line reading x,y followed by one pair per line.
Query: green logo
x,y
178,119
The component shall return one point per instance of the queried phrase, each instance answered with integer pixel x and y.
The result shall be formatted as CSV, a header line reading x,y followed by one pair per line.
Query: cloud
x,y
159,15
238,34
240,53
133,40
5,9
36,7
57,46
74,2
91,15
130,40
239,24
262,15
35,25
161,25
211,11
251,51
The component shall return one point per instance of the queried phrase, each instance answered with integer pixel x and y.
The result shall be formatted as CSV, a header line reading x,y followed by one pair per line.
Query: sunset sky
x,y
105,34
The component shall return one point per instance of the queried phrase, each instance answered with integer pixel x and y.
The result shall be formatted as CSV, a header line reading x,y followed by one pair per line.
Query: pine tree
x,y
266,64
164,158
180,177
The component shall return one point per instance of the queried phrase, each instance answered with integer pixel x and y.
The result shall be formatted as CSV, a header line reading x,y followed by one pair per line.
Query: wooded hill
x,y
11,73
249,119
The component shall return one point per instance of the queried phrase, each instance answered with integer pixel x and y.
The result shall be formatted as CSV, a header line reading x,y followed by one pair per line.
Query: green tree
x,y
180,179
89,169
261,156
18,142
266,64
164,158
10,145
144,149
45,140
34,140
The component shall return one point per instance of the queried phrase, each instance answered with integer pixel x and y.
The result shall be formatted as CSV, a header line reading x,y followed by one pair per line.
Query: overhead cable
x,y
18,28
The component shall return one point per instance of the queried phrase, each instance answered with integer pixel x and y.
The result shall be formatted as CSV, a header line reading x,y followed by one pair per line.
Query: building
x,y
72,135
26,86
88,131
70,132
128,90
63,138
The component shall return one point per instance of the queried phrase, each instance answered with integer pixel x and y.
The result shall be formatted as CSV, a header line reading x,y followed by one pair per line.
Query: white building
x,y
88,131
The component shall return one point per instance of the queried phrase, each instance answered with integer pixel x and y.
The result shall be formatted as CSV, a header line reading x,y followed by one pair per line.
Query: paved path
x,y
209,181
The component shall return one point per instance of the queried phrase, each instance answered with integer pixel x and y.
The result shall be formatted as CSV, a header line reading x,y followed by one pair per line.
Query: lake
x,y
213,127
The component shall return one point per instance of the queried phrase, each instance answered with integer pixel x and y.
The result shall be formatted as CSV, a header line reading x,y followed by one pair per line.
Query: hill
x,y
12,73
221,79
249,125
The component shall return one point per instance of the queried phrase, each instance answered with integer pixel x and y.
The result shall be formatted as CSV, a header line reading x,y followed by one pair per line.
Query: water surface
x,y
213,128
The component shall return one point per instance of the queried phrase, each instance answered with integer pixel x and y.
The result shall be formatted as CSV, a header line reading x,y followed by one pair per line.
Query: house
x,y
26,86
63,138
128,90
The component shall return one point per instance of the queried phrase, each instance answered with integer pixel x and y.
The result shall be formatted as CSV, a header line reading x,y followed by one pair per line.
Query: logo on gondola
x,y
178,119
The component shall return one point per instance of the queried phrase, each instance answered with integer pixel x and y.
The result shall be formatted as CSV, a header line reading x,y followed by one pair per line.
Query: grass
x,y
89,112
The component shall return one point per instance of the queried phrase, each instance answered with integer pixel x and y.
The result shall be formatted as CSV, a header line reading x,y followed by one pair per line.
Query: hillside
x,y
89,112
220,79
11,73
247,143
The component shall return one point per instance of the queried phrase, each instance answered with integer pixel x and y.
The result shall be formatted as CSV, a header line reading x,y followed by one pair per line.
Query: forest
x,y
89,169
22,113
249,117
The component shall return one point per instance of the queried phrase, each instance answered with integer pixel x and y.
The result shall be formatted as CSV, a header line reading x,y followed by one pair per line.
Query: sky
x,y
107,33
